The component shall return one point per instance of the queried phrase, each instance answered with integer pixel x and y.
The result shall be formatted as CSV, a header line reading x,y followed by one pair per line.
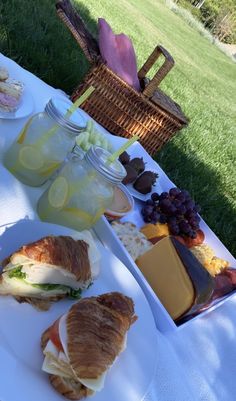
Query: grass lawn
x,y
200,158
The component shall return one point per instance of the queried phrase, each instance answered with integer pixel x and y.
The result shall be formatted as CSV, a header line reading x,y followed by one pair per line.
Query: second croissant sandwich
x,y
51,268
81,346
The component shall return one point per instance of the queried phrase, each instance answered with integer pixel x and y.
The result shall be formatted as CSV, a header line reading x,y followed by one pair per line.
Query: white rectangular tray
x,y
103,229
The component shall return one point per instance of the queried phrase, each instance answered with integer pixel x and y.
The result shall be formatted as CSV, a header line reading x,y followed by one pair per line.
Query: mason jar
x,y
44,142
82,190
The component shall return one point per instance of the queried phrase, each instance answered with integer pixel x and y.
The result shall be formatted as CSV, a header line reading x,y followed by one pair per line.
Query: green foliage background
x,y
210,11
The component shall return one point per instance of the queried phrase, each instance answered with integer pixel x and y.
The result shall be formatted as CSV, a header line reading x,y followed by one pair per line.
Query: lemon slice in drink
x,y
58,192
79,214
30,158
50,168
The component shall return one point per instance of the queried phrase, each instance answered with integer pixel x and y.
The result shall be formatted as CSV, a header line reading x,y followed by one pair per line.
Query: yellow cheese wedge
x,y
167,276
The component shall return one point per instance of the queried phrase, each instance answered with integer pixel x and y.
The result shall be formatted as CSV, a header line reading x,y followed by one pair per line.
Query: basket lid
x,y
168,105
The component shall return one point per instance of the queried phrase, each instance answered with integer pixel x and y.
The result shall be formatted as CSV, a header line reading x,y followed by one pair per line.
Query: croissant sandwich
x,y
51,268
81,346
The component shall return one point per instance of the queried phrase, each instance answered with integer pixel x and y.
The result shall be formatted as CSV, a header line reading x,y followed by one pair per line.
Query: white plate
x,y
25,108
21,327
144,197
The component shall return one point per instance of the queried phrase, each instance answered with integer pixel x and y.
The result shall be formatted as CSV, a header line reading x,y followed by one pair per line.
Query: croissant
x,y
50,269
82,345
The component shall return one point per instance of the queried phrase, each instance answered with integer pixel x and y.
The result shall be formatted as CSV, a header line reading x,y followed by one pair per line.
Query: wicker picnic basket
x,y
117,106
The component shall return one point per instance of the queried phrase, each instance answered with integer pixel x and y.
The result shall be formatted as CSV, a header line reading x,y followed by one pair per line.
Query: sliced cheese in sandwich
x,y
93,252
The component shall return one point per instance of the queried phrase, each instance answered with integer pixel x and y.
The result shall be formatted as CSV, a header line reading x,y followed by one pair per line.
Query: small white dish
x,y
144,197
112,214
25,108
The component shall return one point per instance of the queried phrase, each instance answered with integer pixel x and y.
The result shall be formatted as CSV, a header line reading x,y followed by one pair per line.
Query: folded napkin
x,y
118,53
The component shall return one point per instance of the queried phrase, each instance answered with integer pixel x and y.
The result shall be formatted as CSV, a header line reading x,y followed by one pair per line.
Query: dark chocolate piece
x,y
138,164
131,175
145,181
124,158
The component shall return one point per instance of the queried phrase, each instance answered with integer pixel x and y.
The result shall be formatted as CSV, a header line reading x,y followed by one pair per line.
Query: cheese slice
x,y
93,251
167,276
49,274
56,362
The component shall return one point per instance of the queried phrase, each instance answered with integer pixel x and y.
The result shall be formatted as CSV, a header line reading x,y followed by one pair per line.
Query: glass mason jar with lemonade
x,y
82,190
44,142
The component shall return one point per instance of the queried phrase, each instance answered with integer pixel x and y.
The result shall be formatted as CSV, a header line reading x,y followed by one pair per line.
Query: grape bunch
x,y
177,209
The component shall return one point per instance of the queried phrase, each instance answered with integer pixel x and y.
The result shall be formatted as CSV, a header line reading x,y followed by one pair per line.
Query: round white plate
x,y
25,108
21,327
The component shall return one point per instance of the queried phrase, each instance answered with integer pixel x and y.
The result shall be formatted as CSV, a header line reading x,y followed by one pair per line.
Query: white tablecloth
x,y
197,361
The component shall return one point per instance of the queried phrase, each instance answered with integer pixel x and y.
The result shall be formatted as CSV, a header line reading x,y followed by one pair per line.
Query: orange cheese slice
x,y
168,278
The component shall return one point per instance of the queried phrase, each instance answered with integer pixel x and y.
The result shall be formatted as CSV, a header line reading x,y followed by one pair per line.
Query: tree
x,y
219,17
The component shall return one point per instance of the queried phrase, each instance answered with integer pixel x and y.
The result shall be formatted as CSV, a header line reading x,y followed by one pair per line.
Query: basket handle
x,y
76,25
160,74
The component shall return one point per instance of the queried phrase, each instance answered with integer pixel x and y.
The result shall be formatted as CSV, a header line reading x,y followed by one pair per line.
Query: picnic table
x,y
197,361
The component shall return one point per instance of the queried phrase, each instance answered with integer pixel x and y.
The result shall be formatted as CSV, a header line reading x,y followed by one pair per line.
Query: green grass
x,y
200,158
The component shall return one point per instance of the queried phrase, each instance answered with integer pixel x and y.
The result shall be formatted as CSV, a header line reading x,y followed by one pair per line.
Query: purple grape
x,y
146,211
150,202
190,204
176,203
164,195
164,204
181,210
193,223
181,197
163,218
147,219
184,227
172,220
155,217
149,210
155,197
174,229
174,192
172,210
190,214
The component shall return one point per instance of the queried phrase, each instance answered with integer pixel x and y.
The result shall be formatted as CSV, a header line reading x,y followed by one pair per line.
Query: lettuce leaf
x,y
17,273
71,292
